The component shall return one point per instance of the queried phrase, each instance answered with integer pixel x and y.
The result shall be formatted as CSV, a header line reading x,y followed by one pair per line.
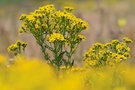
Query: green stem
x,y
56,51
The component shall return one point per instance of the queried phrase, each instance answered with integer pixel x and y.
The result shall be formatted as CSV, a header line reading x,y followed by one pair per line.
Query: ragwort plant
x,y
18,48
101,57
56,31
113,53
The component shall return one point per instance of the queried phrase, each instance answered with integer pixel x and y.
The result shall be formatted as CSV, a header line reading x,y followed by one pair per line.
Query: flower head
x,y
122,22
17,48
68,8
127,40
56,37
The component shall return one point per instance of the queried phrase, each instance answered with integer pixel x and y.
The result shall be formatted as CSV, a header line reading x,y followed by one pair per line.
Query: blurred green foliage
x,y
5,2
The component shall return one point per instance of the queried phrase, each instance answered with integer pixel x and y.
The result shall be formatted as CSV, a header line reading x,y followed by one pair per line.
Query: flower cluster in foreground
x,y
33,74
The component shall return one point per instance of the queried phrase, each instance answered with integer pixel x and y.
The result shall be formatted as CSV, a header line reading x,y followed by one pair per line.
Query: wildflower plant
x,y
108,54
56,31
18,48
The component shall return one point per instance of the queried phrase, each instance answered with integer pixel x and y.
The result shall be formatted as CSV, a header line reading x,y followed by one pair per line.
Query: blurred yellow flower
x,y
120,88
121,22
92,62
2,59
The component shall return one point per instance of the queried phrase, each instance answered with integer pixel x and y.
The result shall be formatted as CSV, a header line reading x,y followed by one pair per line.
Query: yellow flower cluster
x,y
68,21
81,37
68,8
107,54
35,74
76,40
127,40
48,17
36,20
56,37
17,48
91,62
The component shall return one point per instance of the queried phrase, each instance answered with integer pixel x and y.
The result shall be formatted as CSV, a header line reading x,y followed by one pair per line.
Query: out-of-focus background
x,y
108,19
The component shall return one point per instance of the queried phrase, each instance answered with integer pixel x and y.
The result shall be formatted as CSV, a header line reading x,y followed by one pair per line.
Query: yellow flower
x,y
67,43
98,46
127,40
17,48
119,47
22,28
119,88
127,55
51,39
30,18
63,67
92,62
115,41
108,45
37,26
2,59
81,37
85,25
119,58
44,25
23,16
121,22
56,37
68,8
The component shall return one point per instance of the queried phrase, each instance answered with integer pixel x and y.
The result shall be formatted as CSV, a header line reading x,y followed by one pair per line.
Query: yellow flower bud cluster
x,y
81,37
108,54
56,37
17,48
47,18
76,40
127,40
67,21
68,8
36,20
